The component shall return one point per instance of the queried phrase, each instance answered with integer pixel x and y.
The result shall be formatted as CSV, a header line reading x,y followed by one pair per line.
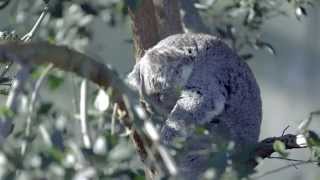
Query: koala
x,y
198,80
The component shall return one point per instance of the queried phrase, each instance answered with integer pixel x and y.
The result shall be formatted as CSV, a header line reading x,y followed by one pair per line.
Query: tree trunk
x,y
144,27
168,17
150,24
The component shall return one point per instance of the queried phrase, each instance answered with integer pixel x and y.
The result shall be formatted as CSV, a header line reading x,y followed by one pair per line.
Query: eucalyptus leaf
x,y
54,81
280,148
300,11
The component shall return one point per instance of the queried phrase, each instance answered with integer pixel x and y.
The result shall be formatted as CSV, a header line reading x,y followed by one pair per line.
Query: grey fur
x,y
196,79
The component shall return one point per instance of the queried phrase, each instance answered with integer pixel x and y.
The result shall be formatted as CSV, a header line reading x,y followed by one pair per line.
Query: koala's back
x,y
216,67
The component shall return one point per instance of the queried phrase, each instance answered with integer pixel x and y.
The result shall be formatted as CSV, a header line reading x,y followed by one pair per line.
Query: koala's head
x,y
161,73
165,68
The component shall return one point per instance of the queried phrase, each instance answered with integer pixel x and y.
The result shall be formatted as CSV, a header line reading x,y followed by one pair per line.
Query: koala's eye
x,y
189,50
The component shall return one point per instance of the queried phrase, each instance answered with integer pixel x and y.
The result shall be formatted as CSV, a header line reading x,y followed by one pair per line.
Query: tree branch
x,y
264,148
144,27
69,60
34,97
6,121
64,58
86,139
283,168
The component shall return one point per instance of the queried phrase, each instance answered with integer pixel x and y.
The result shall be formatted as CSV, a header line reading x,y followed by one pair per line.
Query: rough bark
x,y
149,25
168,17
144,27
145,35
64,58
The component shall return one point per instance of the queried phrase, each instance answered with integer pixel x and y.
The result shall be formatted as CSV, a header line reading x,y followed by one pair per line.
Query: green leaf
x,y
111,139
4,92
139,177
6,112
36,73
121,152
313,139
200,130
54,81
56,154
45,108
280,148
51,40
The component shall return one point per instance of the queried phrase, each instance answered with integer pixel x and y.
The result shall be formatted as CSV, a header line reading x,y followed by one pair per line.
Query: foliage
x,y
241,21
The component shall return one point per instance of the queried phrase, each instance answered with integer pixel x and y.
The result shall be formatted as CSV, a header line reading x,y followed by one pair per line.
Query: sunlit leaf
x,y
6,112
200,130
301,140
102,101
280,148
56,154
120,152
266,46
300,11
100,146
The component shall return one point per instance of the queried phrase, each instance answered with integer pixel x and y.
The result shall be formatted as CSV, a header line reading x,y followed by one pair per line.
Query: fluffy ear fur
x,y
133,79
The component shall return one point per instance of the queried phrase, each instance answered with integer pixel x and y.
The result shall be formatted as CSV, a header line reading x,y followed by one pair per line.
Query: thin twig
x,y
283,168
45,135
294,160
83,114
75,101
6,69
27,37
6,84
113,118
285,129
6,121
34,97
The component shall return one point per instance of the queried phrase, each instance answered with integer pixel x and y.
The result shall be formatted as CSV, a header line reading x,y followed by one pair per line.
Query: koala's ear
x,y
133,79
